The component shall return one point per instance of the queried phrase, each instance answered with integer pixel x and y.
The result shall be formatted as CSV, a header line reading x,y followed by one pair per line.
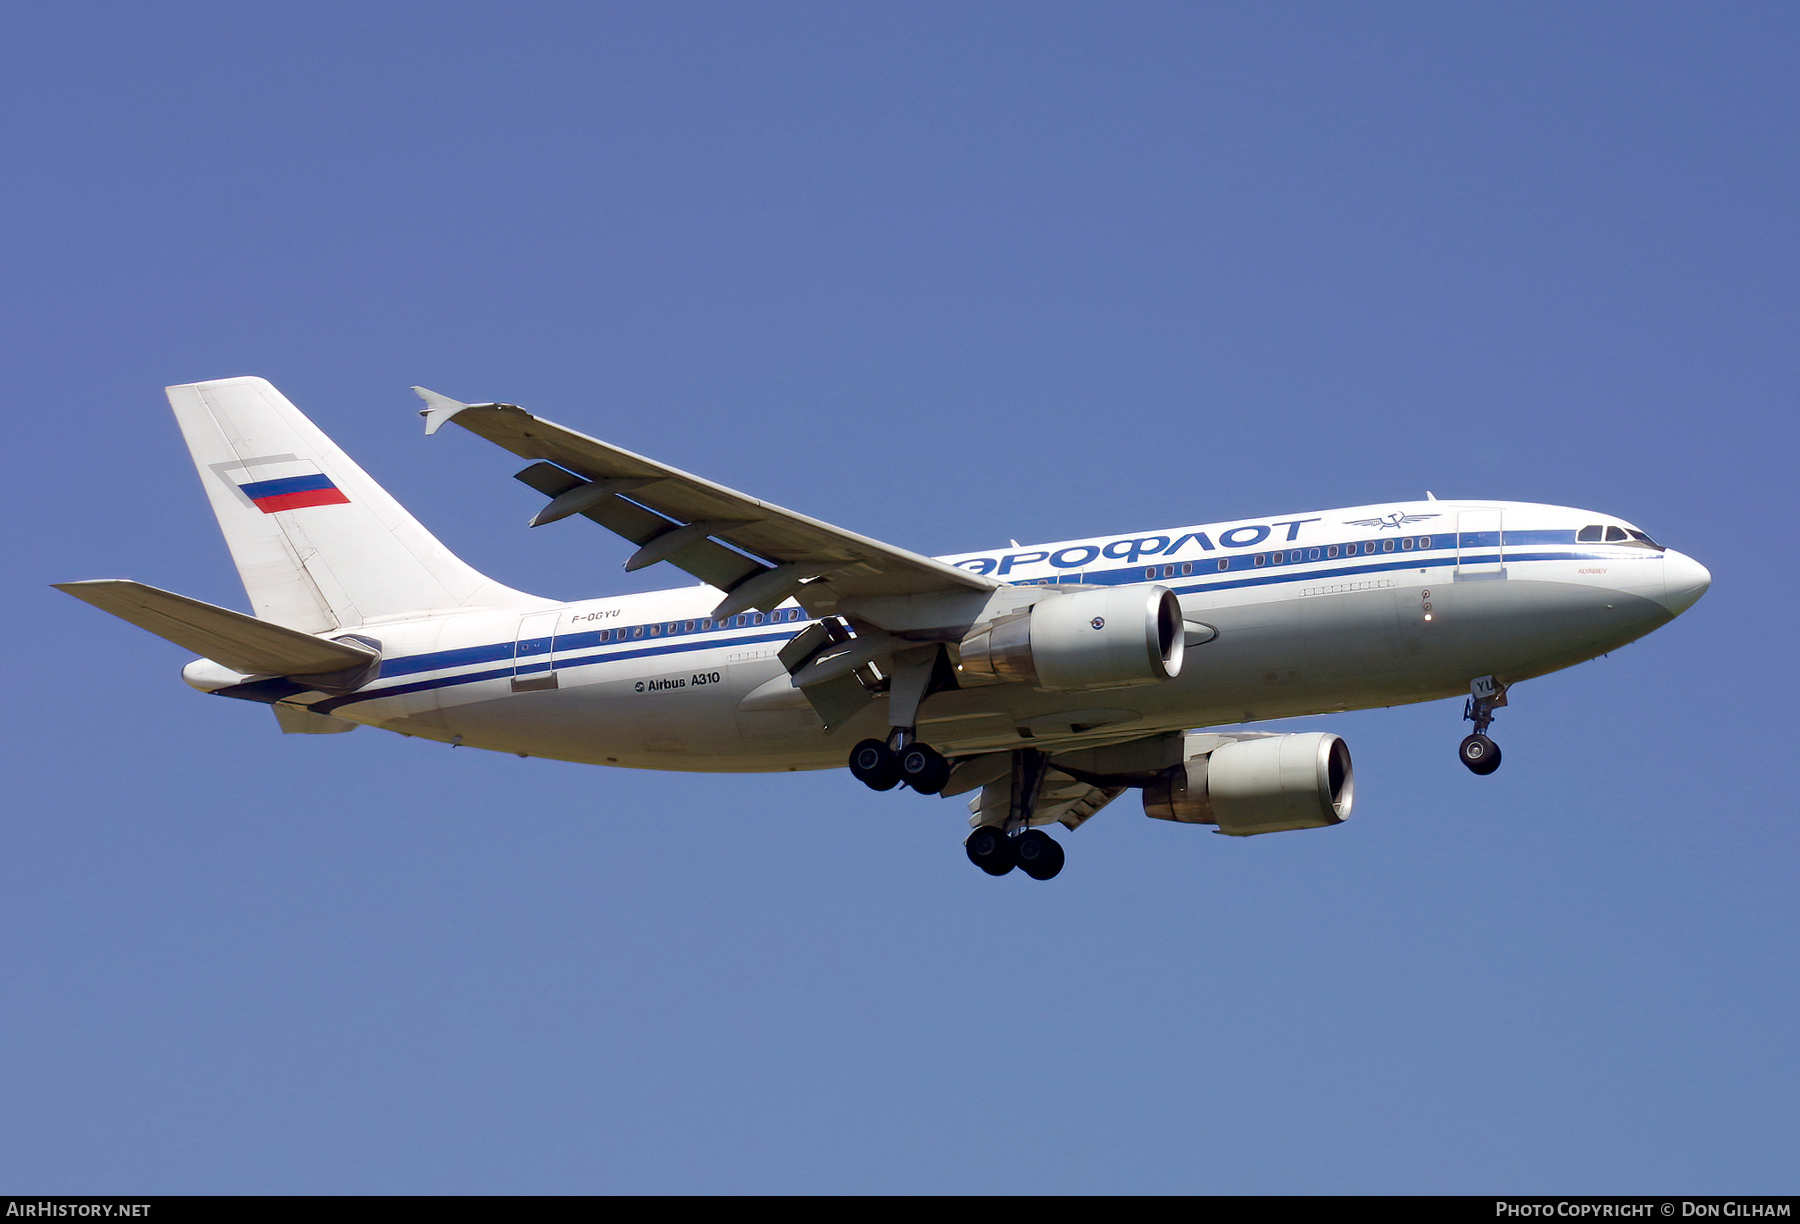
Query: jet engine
x,y
1109,638
1257,783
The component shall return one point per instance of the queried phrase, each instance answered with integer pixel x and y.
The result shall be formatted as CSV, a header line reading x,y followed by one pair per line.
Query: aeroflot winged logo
x,y
1394,520
281,482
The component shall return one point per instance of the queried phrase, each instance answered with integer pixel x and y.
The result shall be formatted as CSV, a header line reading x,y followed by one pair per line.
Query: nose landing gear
x,y
1479,753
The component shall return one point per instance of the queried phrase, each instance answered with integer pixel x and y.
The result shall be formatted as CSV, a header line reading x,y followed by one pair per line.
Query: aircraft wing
x,y
760,554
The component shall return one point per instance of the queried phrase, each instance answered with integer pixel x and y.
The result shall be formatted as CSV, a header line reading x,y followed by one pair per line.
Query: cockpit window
x,y
1602,533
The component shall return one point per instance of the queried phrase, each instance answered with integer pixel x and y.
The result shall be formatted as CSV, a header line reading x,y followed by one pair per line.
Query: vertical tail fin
x,y
319,545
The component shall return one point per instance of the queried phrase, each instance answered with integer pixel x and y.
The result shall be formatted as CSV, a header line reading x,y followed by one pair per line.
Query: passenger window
x,y
1387,546
1224,564
1591,534
1313,555
706,624
605,635
1187,567
1261,559
689,627
1406,544
1424,541
655,630
1331,552
637,631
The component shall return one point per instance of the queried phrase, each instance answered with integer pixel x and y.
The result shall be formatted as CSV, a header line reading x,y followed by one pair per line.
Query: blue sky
x,y
945,275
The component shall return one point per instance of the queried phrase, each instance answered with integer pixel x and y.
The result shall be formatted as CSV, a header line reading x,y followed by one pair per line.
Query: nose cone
x,y
1684,581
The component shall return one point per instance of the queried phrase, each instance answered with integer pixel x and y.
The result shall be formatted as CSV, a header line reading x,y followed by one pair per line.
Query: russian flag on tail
x,y
291,485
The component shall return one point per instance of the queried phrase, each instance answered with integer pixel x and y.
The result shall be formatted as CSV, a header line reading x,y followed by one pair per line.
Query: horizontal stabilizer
x,y
242,643
297,721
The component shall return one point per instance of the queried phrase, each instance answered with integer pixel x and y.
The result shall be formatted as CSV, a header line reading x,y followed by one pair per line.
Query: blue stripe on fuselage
x,y
1269,575
505,651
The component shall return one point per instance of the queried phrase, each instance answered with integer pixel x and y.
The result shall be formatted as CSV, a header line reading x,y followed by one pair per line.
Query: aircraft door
x,y
534,655
1480,545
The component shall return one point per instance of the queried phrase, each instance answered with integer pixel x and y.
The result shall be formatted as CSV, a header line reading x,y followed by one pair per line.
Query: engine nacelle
x,y
1259,784
1109,638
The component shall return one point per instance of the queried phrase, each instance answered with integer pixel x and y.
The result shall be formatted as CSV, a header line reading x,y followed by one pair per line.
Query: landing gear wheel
x,y
1040,857
875,765
1480,754
924,768
991,850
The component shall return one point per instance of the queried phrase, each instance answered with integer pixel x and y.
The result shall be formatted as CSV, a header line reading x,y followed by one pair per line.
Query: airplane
x,y
1045,680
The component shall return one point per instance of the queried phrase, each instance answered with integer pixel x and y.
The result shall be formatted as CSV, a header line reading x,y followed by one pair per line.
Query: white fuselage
x,y
1335,610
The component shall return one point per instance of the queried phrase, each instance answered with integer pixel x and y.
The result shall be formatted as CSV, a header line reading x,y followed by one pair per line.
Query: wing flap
x,y
242,643
1061,800
705,559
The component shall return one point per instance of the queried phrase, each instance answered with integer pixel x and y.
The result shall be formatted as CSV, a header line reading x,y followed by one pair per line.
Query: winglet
x,y
438,408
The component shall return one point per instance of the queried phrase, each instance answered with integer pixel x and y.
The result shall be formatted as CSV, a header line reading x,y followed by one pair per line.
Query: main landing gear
x,y
997,850
1034,852
1477,751
882,765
